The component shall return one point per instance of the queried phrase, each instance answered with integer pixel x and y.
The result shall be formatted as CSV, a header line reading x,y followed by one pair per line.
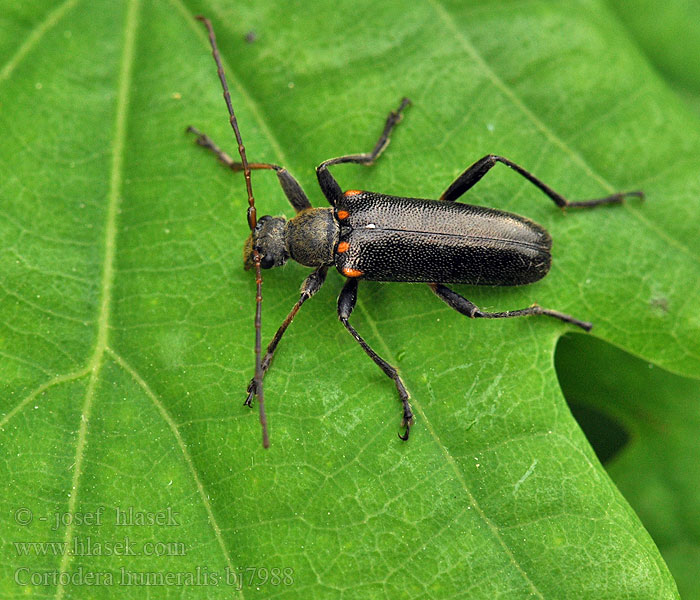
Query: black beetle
x,y
378,237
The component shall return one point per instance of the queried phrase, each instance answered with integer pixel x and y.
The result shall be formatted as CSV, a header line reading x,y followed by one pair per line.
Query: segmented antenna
x,y
252,221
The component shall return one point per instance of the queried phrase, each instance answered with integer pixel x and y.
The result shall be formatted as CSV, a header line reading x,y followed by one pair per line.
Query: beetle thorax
x,y
311,237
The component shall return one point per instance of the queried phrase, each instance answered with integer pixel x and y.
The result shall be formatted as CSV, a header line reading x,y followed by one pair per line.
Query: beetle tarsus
x,y
407,419
251,394
618,198
205,141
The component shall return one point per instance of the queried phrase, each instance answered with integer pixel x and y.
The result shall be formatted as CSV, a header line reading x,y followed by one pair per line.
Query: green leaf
x,y
127,335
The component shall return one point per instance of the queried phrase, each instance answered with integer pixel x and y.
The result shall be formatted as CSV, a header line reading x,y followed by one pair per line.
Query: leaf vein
x,y
34,37
186,455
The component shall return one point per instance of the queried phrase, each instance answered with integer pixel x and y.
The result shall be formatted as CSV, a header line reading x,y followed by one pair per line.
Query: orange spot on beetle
x,y
343,214
351,272
343,246
352,193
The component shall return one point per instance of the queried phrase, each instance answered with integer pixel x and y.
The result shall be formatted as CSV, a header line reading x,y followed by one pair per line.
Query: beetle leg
x,y
346,304
310,286
462,305
294,192
329,186
482,166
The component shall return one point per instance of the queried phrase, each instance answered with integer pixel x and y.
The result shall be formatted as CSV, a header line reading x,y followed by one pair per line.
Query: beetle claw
x,y
251,393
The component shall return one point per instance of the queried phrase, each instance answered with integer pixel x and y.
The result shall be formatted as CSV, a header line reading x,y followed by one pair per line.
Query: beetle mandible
x,y
378,237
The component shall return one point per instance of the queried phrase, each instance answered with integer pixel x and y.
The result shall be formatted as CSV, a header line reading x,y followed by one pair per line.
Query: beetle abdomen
x,y
384,238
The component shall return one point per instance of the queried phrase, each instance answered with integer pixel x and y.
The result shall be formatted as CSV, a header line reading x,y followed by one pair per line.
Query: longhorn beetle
x,y
377,237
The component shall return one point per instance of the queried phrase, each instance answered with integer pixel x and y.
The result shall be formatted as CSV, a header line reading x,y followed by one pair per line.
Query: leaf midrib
x,y
105,310
107,280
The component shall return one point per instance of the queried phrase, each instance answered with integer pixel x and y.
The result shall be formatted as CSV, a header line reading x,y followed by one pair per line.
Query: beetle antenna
x,y
252,221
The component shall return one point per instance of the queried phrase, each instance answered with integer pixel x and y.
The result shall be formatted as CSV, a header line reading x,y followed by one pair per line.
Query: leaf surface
x,y
127,338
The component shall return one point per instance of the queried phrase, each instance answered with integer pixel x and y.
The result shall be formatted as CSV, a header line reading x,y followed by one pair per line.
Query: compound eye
x,y
267,262
261,221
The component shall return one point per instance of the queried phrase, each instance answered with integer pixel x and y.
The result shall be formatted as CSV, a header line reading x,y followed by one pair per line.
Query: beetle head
x,y
268,239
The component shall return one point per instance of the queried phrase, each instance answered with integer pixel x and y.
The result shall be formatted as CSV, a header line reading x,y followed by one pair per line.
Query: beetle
x,y
378,237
